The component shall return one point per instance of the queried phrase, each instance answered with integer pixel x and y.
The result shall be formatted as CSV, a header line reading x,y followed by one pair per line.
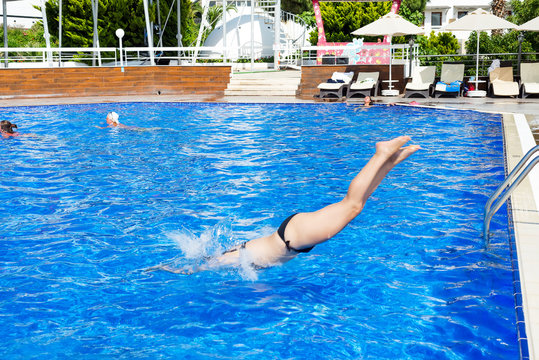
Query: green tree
x,y
308,18
24,38
341,18
213,15
78,27
297,6
437,44
496,44
19,37
189,29
413,11
523,11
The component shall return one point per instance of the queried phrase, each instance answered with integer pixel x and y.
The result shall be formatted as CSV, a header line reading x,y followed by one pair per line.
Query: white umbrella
x,y
532,25
478,20
390,24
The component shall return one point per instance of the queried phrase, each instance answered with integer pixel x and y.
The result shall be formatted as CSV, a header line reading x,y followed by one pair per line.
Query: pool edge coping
x,y
525,218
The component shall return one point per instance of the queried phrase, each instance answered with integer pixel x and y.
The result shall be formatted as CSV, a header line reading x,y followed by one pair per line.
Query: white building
x,y
440,12
241,37
21,13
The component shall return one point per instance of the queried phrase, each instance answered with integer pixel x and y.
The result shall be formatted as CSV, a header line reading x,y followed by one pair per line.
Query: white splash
x,y
211,243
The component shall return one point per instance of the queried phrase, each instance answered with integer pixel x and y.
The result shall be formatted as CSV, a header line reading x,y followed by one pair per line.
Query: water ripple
x,y
86,210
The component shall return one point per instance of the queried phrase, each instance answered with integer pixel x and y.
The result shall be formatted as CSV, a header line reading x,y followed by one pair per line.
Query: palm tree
x,y
498,9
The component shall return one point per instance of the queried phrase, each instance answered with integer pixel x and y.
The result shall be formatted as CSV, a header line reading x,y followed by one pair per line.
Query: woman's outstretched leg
x,y
308,229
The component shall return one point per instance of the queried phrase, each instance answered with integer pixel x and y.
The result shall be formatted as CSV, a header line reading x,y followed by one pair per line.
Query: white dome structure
x,y
241,37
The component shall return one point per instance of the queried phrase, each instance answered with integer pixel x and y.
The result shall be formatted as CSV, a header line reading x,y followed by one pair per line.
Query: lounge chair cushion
x,y
451,87
504,88
531,88
501,73
364,84
331,86
345,76
417,86
365,80
501,79
529,72
422,78
338,79
452,72
529,77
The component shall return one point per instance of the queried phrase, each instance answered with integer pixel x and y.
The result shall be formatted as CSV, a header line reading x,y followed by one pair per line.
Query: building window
x,y
461,14
436,19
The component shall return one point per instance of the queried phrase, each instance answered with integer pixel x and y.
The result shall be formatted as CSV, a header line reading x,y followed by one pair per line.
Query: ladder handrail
x,y
489,210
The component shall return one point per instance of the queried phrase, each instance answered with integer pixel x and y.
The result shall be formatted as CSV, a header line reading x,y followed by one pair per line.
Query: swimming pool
x,y
86,210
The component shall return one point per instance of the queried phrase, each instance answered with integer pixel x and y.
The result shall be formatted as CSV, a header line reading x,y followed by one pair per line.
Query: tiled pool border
x,y
524,226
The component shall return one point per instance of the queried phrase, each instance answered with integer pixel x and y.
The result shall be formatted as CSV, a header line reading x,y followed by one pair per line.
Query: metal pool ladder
x,y
491,210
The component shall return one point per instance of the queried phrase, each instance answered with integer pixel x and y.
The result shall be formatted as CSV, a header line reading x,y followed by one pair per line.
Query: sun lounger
x,y
336,86
450,81
501,82
366,84
422,81
529,79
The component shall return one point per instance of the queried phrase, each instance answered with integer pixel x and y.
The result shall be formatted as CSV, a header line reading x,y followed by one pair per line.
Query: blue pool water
x,y
85,211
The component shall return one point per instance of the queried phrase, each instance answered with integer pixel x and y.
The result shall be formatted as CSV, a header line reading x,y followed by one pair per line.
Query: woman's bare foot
x,y
388,148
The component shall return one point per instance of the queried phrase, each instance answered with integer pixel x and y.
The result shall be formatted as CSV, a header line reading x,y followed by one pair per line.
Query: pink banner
x,y
353,51
319,23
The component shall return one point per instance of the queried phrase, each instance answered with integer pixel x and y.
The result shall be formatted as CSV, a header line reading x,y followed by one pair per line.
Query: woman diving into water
x,y
302,231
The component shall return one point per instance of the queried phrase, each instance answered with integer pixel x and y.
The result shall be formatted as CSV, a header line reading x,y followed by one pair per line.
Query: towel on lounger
x,y
453,87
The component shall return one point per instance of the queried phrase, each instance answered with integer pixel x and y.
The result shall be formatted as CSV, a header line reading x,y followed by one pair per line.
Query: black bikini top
x,y
280,232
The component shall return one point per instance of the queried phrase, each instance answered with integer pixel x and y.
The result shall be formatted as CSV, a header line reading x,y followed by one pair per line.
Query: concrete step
x,y
264,83
260,92
268,75
262,87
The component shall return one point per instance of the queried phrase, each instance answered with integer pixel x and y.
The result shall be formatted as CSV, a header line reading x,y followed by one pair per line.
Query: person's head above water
x,y
367,100
113,119
7,127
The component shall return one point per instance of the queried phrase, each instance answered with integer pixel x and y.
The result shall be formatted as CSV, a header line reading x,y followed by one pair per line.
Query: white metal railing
x,y
19,57
131,56
485,60
518,175
108,56
184,55
307,55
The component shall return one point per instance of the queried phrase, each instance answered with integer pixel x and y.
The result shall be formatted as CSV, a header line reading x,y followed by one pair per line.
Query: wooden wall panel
x,y
143,80
311,76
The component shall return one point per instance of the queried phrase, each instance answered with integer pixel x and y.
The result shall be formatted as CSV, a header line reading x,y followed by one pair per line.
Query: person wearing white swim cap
x,y
113,121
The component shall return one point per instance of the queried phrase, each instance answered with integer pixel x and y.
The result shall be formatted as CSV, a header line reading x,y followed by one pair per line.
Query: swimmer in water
x,y
6,129
367,102
113,120
301,232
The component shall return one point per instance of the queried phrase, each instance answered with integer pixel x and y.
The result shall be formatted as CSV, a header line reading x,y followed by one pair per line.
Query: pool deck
x,y
521,132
